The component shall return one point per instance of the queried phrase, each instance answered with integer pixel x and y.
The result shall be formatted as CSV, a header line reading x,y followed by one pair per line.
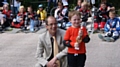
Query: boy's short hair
x,y
59,4
21,7
103,3
72,13
112,12
84,4
79,0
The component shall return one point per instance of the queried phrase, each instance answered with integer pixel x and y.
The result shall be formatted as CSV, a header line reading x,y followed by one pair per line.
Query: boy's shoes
x,y
109,39
101,37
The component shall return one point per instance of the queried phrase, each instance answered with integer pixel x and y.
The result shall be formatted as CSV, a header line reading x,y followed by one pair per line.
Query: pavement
x,y
18,50
101,53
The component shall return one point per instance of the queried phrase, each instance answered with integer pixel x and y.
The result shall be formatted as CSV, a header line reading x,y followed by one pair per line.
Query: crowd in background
x,y
17,16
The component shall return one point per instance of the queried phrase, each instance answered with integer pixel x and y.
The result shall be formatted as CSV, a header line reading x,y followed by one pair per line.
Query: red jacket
x,y
71,34
7,13
84,12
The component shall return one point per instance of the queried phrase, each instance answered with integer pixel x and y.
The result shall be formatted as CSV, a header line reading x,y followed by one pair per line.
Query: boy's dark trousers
x,y
76,61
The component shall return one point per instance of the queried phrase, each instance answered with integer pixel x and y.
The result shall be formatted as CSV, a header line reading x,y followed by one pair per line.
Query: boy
x,y
29,19
84,11
100,18
75,33
79,2
42,14
112,28
18,22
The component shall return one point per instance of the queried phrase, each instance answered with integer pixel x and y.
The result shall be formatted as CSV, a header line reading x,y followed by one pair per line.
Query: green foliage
x,y
72,3
71,7
33,3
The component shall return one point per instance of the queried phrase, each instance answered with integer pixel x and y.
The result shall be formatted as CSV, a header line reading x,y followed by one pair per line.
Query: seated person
x,y
42,14
8,14
101,17
29,19
61,15
79,2
110,6
85,13
57,13
112,28
63,12
18,22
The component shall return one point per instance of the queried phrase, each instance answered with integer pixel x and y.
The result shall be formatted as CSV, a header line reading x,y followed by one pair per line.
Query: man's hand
x,y
52,63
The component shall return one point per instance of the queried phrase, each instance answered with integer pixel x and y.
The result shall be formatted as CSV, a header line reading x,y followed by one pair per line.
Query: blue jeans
x,y
31,25
14,9
50,1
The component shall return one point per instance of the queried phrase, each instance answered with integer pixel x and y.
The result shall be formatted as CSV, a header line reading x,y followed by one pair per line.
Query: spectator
x,y
85,13
100,19
58,12
18,22
112,28
79,2
29,20
76,33
58,9
109,6
42,14
45,51
8,14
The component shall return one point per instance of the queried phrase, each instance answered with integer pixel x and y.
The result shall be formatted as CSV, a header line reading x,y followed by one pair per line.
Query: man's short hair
x,y
46,21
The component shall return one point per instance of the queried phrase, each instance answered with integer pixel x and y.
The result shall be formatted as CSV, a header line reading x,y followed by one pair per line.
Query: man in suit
x,y
45,49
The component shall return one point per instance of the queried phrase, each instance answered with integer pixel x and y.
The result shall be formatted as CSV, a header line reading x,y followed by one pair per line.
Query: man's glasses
x,y
52,24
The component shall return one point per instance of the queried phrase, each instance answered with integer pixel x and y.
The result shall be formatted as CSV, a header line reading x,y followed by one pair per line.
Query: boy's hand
x,y
67,43
20,19
113,29
30,16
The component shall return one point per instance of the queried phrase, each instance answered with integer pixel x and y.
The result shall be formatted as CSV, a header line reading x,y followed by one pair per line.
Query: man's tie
x,y
56,50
